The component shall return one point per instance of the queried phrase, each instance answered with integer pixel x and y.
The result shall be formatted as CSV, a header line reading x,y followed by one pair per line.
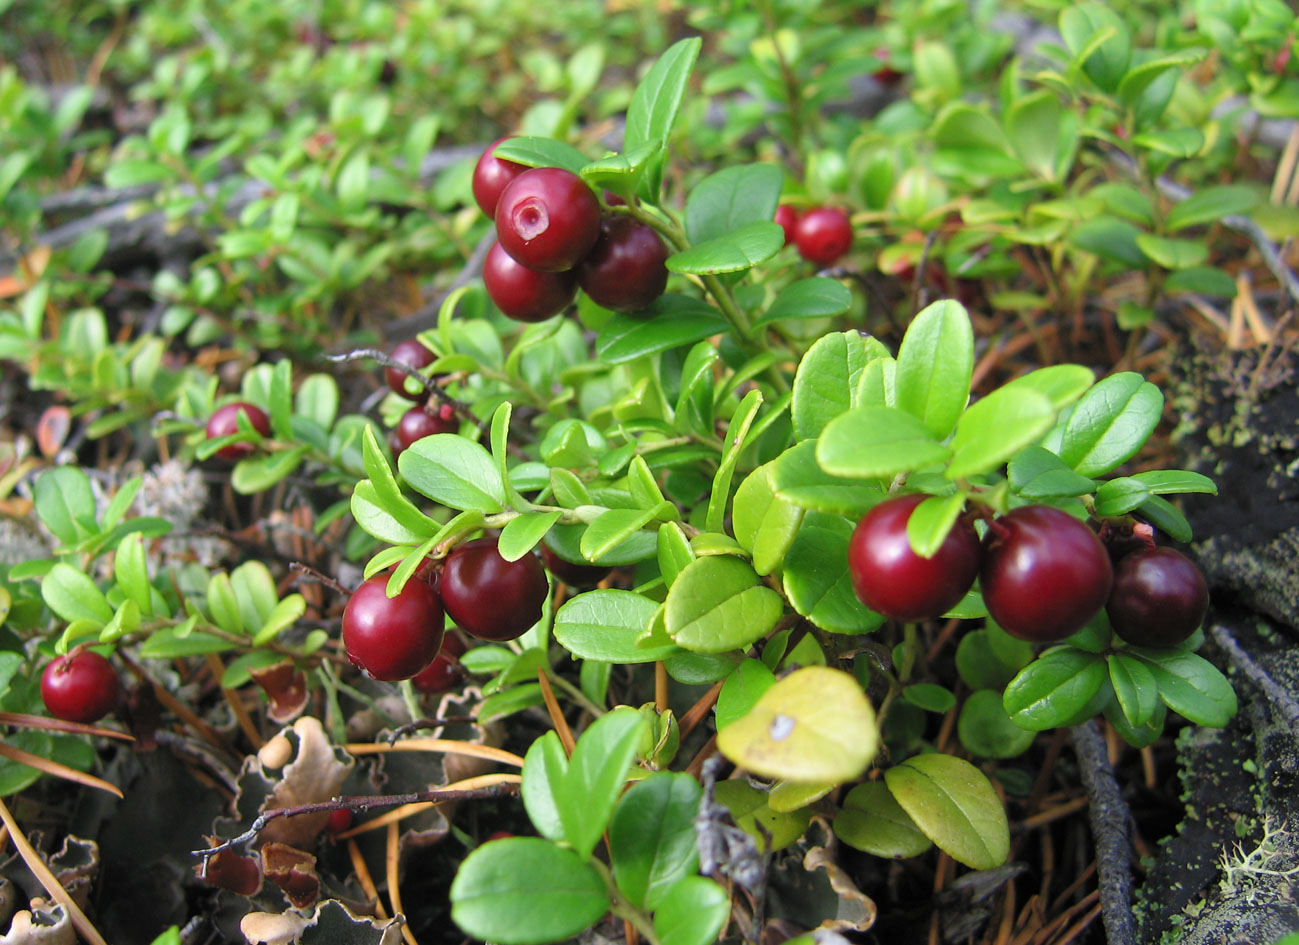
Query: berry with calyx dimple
x,y
823,235
393,638
1159,598
417,356
1044,573
574,575
625,269
524,294
491,176
419,422
547,219
225,422
787,216
489,597
444,672
80,687
891,579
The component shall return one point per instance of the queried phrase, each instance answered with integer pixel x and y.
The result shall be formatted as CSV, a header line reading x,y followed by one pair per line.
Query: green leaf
x,y
1099,42
281,399
1172,481
997,427
763,524
670,322
223,605
169,644
1110,423
815,297
1062,384
736,438
730,198
692,912
1037,473
1190,685
1201,280
814,725
386,490
615,527
1172,254
932,520
828,378
1033,125
500,705
131,573
520,535
544,769
953,804
454,471
741,691
284,615
1135,688
1110,238
1175,142
541,152
816,578
376,521
597,772
877,442
652,836
1210,205
935,363
986,730
134,173
604,625
872,821
654,104
1164,515
1054,688
258,473
526,891
317,399
73,596
622,173
65,503
752,813
719,603
1119,496
254,589
797,478
736,251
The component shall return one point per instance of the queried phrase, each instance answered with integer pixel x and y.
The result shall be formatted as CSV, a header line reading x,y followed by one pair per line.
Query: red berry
x,y
441,674
524,294
1044,573
787,216
339,820
80,687
417,356
501,835
392,638
893,580
547,219
886,74
1159,598
225,422
418,422
491,176
572,574
625,269
489,597
823,235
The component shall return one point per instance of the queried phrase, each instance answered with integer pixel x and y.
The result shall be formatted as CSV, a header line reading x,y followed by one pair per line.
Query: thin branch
x,y
1256,674
433,390
1109,820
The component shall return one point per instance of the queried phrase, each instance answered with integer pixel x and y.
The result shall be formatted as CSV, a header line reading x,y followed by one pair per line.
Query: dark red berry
x,y
823,235
491,176
225,422
524,294
625,269
444,672
1044,573
489,597
574,575
419,422
547,219
339,820
886,74
501,835
1159,598
80,687
417,356
893,580
392,638
787,216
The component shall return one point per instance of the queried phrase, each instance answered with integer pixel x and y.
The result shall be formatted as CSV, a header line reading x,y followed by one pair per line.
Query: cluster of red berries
x,y
488,597
425,418
1043,575
551,239
822,235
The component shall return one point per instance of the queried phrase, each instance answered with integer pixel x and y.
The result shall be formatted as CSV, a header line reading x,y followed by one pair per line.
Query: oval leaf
x,y
952,802
718,603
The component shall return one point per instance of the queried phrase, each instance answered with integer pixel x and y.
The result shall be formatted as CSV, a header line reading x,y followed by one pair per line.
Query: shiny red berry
x,y
417,356
524,294
225,421
339,820
491,176
547,219
823,235
392,637
419,422
444,672
787,216
625,269
574,575
891,579
1159,597
80,687
1044,573
489,597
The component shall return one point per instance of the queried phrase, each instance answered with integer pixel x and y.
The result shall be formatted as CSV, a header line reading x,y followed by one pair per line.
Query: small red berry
x,y
417,356
547,219
1044,573
489,597
491,176
524,294
885,74
891,579
501,835
392,638
225,421
339,820
419,422
625,269
80,687
823,235
443,673
787,216
1159,597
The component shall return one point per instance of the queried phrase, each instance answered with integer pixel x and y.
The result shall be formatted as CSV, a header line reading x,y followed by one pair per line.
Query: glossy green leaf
x,y
1033,125
877,442
736,251
1120,496
797,478
652,836
223,605
454,471
1037,473
817,581
1135,688
741,691
935,363
1110,423
764,524
500,705
254,589
735,439
828,379
692,912
1190,685
1112,239
997,427
1053,688
815,297
73,596
749,808
953,804
604,625
1062,384
520,535
929,697
65,503
985,665
730,198
376,521
1210,205
1099,42
1162,514
1172,254
1175,142
596,774
654,105
986,730
872,821
931,521
168,644
672,321
131,573
544,768
533,151
718,603
258,473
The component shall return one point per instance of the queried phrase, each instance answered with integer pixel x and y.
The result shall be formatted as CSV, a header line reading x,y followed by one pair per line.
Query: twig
x,y
433,390
311,574
1256,674
1109,820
